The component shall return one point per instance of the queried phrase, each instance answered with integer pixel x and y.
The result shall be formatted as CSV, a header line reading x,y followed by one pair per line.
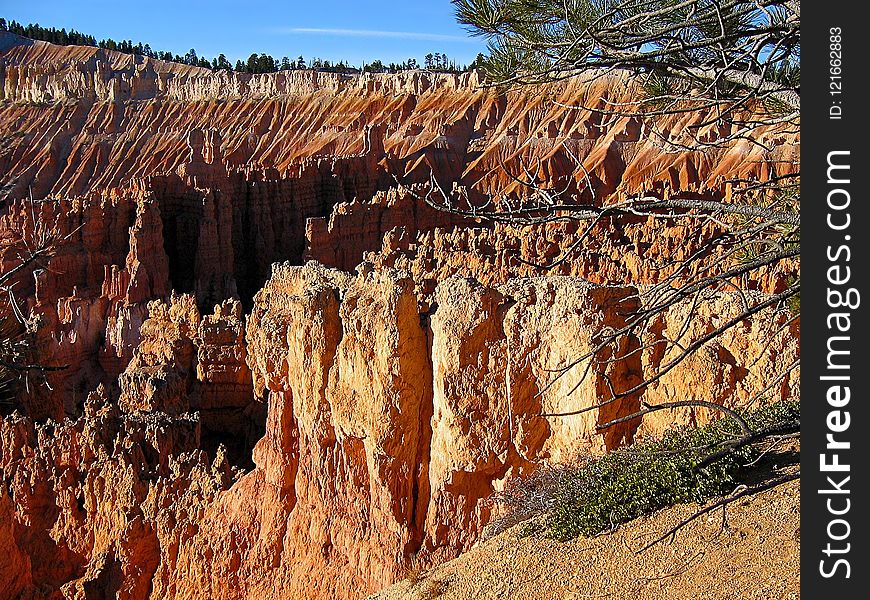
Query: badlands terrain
x,y
286,376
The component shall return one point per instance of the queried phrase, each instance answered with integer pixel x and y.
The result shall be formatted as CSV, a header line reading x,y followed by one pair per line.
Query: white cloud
x,y
404,35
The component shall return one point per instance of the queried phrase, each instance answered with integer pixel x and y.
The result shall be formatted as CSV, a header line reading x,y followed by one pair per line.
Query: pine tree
x,y
223,63
727,50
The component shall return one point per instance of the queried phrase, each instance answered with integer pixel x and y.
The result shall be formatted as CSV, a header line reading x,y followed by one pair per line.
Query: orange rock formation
x,y
234,423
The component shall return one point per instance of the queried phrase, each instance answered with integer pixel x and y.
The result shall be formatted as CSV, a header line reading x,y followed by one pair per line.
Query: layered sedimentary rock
x,y
412,122
187,362
376,405
641,250
116,251
287,164
97,500
387,433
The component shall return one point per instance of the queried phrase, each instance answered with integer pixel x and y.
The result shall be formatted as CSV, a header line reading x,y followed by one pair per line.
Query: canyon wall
x,y
61,138
386,433
277,372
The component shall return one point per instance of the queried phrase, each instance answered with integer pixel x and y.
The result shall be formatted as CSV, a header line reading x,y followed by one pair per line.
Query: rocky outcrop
x,y
99,499
248,170
117,251
412,124
157,377
186,363
387,431
226,403
641,250
86,298
493,354
15,569
386,434
357,228
37,71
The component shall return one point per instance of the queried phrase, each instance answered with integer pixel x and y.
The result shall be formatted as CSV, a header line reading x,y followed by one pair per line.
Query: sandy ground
x,y
755,556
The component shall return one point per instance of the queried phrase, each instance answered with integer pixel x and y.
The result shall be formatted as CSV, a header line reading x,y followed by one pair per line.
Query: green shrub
x,y
638,480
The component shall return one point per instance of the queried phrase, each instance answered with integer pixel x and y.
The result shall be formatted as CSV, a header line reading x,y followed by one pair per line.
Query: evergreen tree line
x,y
61,37
256,63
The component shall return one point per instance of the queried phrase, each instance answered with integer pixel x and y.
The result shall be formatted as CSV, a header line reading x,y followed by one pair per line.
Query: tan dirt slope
x,y
755,556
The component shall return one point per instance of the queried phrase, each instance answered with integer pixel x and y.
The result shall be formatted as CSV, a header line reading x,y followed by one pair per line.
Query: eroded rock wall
x,y
387,433
100,500
387,430
68,140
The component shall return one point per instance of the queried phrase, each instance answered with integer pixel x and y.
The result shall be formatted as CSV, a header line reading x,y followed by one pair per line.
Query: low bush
x,y
686,464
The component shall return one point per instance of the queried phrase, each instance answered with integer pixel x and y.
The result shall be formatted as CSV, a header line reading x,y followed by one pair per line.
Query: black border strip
x,y
833,131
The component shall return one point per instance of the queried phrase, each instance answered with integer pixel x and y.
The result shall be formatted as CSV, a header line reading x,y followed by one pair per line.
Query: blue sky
x,y
329,29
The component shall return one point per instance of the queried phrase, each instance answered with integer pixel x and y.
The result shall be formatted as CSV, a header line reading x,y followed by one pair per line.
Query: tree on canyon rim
x,y
731,69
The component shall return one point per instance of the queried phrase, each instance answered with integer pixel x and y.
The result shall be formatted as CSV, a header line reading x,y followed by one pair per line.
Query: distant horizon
x,y
333,30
